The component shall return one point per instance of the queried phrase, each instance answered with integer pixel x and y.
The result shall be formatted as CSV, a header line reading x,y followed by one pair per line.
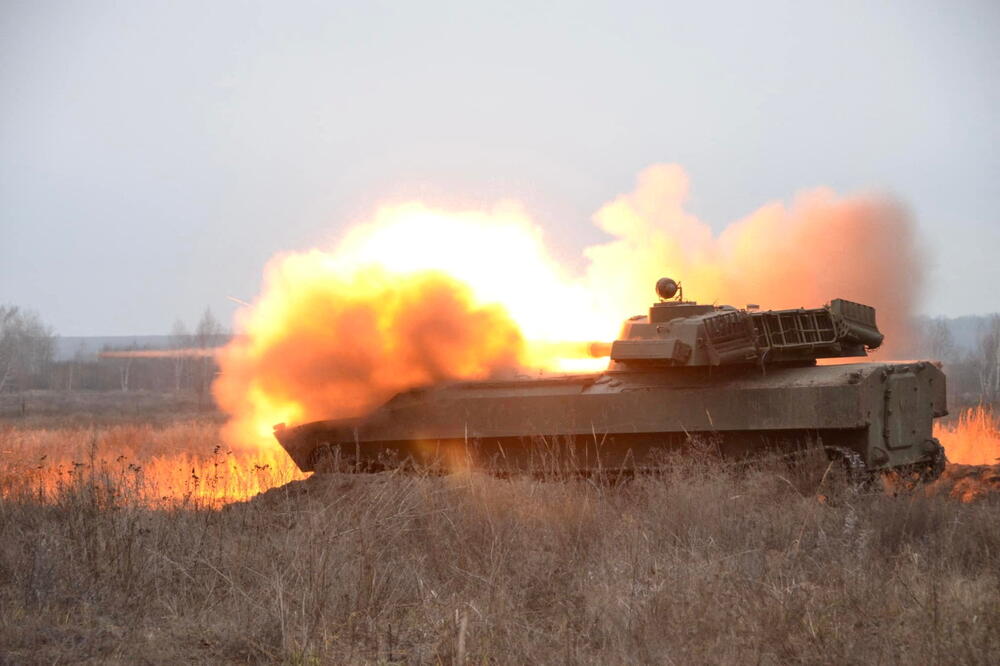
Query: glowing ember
x,y
418,295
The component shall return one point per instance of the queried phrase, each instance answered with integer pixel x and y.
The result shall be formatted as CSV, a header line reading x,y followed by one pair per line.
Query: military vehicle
x,y
742,380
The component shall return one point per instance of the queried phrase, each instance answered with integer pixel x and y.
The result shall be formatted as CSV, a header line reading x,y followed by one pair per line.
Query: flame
x,y
329,342
972,439
418,294
501,255
972,444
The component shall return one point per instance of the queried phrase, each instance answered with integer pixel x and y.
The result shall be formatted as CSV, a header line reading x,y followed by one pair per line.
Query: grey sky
x,y
153,155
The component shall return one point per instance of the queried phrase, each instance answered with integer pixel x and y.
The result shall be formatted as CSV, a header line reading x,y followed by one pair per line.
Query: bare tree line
x,y
973,374
26,348
27,359
195,372
989,370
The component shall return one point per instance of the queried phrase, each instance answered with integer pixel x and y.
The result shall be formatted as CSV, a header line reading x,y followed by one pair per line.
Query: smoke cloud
x,y
418,295
324,344
822,246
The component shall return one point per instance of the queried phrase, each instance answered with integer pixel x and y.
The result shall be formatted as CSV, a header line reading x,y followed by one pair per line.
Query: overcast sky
x,y
153,155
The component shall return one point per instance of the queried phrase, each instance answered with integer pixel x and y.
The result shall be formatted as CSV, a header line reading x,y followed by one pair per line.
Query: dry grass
x,y
698,566
34,409
183,464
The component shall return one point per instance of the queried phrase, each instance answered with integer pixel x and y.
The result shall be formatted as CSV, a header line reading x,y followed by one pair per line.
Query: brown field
x,y
124,543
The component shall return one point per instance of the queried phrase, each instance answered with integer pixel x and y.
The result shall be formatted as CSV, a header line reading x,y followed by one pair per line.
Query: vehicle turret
x,y
676,332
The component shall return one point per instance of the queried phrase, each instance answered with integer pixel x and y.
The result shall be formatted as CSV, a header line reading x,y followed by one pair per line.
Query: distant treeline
x,y
31,357
969,349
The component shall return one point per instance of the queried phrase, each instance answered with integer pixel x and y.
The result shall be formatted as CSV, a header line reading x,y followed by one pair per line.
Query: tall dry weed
x,y
701,564
178,464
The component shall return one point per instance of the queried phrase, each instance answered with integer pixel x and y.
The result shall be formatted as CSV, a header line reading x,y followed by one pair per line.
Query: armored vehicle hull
x,y
743,381
877,414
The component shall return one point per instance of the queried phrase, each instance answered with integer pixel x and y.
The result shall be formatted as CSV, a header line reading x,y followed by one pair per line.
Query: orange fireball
x,y
419,295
